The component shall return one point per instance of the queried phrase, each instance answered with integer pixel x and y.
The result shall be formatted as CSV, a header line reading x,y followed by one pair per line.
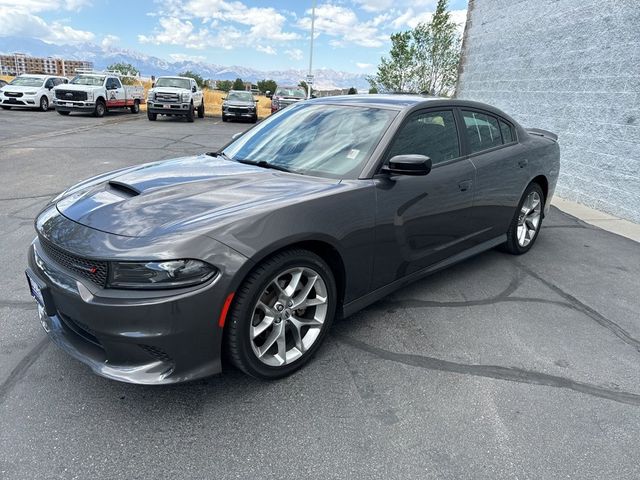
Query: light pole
x,y
313,24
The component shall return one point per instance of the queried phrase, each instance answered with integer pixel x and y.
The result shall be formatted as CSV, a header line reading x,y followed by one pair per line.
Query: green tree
x,y
424,59
224,85
305,87
198,78
267,86
352,91
373,90
238,84
124,68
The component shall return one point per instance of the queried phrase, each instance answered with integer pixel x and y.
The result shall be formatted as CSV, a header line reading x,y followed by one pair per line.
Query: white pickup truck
x,y
97,93
175,96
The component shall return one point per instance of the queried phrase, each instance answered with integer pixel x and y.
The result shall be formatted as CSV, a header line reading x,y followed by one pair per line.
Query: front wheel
x,y
281,314
99,109
63,112
5,107
135,108
44,104
191,113
152,116
201,110
525,226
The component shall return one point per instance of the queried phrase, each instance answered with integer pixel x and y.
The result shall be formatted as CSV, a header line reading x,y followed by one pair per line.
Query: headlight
x,y
162,274
186,97
30,93
89,95
152,95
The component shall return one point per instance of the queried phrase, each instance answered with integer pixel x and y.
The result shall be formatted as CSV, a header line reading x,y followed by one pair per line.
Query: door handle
x,y
523,162
464,186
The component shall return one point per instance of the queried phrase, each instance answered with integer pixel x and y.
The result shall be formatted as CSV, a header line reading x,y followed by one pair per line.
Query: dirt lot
x,y
500,367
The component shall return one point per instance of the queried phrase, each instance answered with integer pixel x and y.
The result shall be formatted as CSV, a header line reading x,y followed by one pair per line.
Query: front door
x,y
115,93
421,220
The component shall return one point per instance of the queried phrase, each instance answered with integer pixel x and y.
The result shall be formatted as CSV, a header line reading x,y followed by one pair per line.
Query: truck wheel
x,y
44,103
63,112
100,109
254,119
201,110
152,116
191,113
224,119
135,108
6,108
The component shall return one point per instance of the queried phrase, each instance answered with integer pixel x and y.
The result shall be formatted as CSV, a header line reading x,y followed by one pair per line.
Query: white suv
x,y
32,91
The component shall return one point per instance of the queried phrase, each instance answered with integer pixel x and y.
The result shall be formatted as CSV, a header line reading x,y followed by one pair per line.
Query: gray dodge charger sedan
x,y
149,274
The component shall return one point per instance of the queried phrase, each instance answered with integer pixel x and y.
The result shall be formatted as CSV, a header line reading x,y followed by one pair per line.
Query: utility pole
x,y
313,24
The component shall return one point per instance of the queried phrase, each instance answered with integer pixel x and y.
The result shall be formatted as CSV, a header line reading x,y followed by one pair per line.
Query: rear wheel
x,y
63,112
201,110
191,113
152,116
281,314
135,108
44,103
100,109
525,226
254,119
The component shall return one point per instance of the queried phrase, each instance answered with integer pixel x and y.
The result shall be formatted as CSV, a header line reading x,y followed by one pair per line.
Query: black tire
x,y
191,114
224,119
201,110
152,116
254,119
135,108
237,342
44,103
63,112
100,109
5,107
512,244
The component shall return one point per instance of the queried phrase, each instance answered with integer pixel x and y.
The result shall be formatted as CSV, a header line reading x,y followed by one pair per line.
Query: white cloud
x,y
24,24
343,23
268,49
410,18
183,57
363,66
384,5
109,41
35,6
294,54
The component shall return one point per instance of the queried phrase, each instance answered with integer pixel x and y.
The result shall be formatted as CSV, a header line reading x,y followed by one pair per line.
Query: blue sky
x,y
352,35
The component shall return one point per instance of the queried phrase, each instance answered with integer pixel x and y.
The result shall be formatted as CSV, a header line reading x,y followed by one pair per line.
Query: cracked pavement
x,y
499,367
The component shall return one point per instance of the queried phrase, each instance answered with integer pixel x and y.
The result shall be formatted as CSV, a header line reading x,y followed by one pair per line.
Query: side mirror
x,y
408,165
153,84
194,89
268,94
236,135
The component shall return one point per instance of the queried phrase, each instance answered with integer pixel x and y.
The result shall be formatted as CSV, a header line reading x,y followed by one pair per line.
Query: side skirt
x,y
362,302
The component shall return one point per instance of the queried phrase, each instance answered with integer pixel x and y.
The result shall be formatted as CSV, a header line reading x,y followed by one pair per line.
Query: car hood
x,y
167,197
19,88
76,88
238,103
170,90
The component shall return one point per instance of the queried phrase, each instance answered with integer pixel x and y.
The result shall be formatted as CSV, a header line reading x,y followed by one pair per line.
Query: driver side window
x,y
433,134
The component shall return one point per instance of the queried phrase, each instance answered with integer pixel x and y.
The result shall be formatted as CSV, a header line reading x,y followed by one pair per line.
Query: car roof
x,y
174,76
34,75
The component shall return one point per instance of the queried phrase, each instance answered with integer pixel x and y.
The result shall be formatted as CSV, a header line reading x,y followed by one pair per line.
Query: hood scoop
x,y
123,188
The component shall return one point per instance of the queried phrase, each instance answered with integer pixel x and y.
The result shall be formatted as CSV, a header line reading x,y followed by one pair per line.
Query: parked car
x,y
285,96
175,96
148,273
3,83
240,104
31,91
98,93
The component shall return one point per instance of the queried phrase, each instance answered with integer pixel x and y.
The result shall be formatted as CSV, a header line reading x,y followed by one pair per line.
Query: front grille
x,y
94,270
167,97
13,94
71,95
238,109
155,352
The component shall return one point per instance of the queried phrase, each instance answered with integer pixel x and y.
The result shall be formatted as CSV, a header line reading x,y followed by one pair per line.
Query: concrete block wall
x,y
571,67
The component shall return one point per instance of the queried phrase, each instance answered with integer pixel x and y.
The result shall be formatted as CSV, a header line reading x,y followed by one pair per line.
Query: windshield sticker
x,y
353,154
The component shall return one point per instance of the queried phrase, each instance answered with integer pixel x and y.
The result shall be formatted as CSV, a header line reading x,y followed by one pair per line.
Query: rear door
x,y
421,220
501,173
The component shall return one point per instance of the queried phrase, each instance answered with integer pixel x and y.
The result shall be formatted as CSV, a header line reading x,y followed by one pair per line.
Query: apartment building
x,y
19,63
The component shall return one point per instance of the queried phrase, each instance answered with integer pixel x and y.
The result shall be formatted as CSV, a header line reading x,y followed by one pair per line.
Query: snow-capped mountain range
x,y
101,57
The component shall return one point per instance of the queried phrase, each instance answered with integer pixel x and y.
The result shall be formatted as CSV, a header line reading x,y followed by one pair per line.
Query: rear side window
x,y
482,131
433,134
507,132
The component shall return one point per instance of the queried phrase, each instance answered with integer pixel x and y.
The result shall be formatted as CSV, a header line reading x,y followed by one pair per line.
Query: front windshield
x,y
173,82
331,141
290,92
93,80
240,96
27,81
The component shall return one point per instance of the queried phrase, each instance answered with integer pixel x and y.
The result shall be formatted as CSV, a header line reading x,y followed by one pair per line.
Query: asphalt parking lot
x,y
500,367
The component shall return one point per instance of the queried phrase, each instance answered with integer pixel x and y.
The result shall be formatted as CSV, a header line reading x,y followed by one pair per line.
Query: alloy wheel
x,y
288,316
529,219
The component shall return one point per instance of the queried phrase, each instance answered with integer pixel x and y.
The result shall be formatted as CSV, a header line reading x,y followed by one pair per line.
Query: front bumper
x,y
143,337
239,114
74,106
168,108
23,101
